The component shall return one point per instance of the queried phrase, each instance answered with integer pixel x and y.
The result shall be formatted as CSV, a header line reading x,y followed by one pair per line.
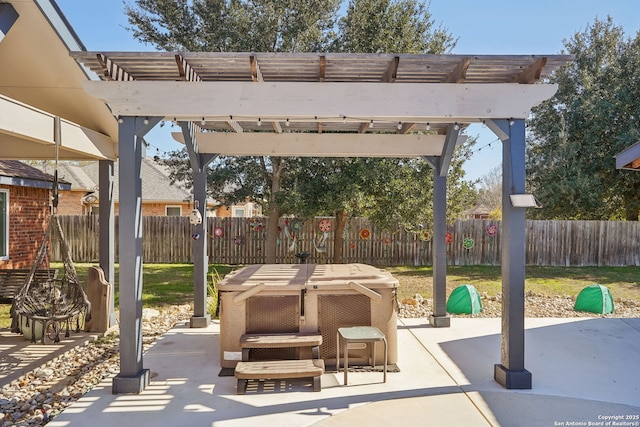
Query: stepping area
x,y
279,369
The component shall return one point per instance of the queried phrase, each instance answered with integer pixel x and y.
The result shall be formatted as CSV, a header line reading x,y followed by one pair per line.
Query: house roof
x,y
78,177
16,173
156,185
478,210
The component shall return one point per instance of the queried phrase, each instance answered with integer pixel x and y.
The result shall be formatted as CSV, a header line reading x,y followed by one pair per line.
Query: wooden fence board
x,y
242,241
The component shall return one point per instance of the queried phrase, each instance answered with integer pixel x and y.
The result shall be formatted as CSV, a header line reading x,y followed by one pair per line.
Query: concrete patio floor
x,y
584,371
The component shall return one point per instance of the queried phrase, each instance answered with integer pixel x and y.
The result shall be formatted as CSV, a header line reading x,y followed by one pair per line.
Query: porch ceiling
x,y
39,81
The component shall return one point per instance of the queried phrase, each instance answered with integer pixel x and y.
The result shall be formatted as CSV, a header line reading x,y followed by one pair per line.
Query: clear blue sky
x,y
482,27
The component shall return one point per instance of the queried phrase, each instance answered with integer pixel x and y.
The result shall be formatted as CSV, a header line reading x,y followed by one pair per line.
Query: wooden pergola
x,y
318,104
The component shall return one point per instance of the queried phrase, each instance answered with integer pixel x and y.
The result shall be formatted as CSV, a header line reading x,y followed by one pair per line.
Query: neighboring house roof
x,y
77,176
478,210
14,172
156,185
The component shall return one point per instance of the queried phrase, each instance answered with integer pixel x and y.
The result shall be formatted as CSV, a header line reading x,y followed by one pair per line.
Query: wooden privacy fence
x,y
469,242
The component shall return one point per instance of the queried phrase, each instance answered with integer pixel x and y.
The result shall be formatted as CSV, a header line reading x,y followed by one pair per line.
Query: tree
x,y
237,25
387,191
390,192
234,25
575,135
490,191
403,26
232,180
401,192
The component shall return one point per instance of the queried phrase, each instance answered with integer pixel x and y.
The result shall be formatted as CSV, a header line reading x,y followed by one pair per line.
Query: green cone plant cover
x,y
595,299
464,300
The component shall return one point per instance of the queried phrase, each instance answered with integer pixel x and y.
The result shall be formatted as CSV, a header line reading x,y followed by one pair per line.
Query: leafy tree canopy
x,y
234,25
575,136
383,189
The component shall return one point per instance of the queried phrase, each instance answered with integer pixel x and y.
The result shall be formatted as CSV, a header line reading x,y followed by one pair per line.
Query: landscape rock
x,y
35,398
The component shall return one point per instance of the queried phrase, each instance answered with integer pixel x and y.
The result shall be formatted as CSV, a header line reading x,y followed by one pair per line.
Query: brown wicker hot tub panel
x,y
338,311
273,314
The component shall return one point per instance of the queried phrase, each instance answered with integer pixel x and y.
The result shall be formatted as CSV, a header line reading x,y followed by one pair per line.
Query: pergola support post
x,y
439,318
133,377
199,162
106,184
510,372
200,318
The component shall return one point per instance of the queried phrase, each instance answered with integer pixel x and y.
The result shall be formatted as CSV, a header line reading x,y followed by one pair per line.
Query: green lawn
x,y
162,284
623,282
172,284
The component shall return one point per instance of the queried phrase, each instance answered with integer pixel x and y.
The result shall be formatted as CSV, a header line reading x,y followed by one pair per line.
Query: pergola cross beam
x,y
385,102
459,73
531,73
323,144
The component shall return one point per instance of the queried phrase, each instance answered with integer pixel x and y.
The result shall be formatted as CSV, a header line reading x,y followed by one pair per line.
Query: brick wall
x,y
159,209
28,218
69,203
223,212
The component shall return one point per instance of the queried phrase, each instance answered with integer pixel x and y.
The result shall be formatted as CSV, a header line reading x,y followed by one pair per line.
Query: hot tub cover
x,y
325,276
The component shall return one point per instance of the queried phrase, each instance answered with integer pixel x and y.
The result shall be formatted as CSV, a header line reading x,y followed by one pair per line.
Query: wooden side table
x,y
360,334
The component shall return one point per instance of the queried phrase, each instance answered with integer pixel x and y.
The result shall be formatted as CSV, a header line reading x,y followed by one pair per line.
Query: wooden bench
x,y
287,340
12,280
279,369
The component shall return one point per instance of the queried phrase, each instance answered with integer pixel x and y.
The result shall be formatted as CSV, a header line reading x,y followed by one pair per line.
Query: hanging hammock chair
x,y
47,303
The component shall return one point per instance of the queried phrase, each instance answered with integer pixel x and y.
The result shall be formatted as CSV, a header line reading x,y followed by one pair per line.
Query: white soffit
x,y
38,72
28,134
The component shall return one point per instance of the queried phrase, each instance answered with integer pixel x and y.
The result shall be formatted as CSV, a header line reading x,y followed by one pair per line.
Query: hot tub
x,y
281,298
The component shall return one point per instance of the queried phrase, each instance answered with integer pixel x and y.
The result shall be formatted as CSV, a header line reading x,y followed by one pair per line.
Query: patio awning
x,y
31,134
39,82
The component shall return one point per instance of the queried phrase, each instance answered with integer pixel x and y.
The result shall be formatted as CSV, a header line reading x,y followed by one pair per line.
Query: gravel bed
x,y
534,306
37,397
